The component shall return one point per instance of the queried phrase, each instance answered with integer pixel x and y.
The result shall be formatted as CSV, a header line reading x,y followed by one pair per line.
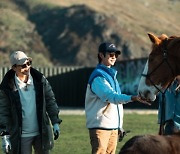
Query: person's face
x,y
22,70
109,59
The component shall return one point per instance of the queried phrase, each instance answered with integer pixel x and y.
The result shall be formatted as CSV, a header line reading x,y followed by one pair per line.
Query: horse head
x,y
161,67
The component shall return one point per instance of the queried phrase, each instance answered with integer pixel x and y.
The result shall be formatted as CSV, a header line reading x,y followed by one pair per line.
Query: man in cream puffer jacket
x,y
103,102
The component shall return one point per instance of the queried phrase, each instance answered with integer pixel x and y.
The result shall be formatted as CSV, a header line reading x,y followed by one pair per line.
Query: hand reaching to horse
x,y
140,99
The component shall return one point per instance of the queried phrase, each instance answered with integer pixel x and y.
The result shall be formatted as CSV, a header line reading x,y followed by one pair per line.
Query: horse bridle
x,y
164,60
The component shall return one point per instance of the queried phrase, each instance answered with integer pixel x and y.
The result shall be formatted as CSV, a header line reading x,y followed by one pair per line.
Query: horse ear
x,y
163,36
154,39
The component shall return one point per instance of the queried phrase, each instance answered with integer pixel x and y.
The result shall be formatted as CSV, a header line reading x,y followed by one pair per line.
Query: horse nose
x,y
145,94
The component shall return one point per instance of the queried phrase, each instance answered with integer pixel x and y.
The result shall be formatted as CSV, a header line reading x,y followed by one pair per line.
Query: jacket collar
x,y
8,80
111,71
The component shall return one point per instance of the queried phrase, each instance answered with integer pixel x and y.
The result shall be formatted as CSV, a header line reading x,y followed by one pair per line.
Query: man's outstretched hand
x,y
141,100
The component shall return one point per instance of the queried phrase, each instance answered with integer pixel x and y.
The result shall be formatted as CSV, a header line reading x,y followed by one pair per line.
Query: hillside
x,y
18,33
69,32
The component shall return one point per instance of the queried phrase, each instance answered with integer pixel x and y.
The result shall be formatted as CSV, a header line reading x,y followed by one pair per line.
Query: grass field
x,y
74,135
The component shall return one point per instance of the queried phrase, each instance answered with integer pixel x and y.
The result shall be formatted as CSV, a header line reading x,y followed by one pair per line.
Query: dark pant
x,y
169,127
28,142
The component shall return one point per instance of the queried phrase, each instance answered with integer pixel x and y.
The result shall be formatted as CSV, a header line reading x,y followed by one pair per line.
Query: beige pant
x,y
103,141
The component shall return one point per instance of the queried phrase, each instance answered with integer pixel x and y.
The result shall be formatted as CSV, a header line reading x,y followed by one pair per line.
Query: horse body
x,y
162,66
152,144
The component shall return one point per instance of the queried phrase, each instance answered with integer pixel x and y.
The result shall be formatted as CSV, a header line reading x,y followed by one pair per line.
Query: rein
x,y
165,60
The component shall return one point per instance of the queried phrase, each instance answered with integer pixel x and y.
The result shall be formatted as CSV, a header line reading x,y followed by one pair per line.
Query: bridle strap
x,y
162,120
165,59
148,75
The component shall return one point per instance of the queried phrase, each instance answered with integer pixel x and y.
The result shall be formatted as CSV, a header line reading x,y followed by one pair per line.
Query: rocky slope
x,y
69,32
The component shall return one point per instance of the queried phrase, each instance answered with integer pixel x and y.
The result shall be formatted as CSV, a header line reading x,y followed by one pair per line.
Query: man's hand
x,y
56,131
122,133
6,144
139,99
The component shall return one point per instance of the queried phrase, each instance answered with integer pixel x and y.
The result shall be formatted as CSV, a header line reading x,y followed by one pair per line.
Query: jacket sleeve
x,y
51,104
105,92
4,111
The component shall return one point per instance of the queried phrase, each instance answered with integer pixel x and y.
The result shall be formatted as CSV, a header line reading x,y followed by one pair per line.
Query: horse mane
x,y
174,40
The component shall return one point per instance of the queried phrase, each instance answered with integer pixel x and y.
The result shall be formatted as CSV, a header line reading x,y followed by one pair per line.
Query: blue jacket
x,y
103,102
172,106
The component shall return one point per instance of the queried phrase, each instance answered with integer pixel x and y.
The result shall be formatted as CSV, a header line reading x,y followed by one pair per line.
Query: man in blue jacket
x,y
172,109
104,102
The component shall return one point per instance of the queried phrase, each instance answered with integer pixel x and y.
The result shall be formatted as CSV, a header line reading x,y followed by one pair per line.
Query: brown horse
x,y
152,144
162,67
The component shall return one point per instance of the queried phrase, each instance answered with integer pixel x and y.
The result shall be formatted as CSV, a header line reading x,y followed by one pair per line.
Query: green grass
x,y
74,136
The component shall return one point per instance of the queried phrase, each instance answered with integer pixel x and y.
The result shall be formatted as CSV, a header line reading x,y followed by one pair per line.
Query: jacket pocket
x,y
47,138
107,111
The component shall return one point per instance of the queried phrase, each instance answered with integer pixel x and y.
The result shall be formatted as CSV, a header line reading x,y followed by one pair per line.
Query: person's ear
x,y
14,68
101,55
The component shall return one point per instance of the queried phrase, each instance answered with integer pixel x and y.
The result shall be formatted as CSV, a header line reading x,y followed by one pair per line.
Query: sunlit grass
x,y
74,137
